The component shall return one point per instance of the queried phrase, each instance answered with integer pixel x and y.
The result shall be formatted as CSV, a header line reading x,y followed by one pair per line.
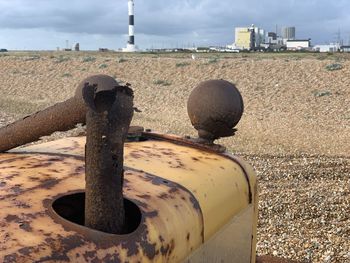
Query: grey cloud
x,y
197,19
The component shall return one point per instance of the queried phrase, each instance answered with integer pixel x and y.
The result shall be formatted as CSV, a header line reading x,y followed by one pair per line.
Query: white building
x,y
327,48
300,44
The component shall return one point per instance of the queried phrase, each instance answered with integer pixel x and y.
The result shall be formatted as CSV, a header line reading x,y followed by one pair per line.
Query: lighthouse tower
x,y
130,47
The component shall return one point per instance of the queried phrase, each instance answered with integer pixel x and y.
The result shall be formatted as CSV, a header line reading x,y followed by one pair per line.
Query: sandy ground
x,y
295,130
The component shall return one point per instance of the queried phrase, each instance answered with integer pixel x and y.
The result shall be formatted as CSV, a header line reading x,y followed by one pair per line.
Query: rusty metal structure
x,y
184,201
215,107
62,116
109,113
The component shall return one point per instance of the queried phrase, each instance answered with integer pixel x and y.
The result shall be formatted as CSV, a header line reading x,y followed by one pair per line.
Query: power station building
x,y
249,38
300,44
288,33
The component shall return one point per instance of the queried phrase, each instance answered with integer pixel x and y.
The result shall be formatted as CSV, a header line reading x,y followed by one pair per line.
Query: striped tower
x,y
130,47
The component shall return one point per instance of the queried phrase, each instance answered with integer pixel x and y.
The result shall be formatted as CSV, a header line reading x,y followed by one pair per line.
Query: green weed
x,y
161,82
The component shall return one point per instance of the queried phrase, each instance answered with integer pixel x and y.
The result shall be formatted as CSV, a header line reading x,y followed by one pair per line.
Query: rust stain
x,y
12,218
152,153
54,239
25,226
12,258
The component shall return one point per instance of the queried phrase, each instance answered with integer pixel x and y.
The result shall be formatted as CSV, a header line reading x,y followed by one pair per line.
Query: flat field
x,y
295,130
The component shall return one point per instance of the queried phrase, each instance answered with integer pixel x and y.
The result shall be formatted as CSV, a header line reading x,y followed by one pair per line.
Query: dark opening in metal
x,y
72,208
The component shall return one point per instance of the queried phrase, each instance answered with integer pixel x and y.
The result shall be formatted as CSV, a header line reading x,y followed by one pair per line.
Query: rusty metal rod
x,y
109,113
59,117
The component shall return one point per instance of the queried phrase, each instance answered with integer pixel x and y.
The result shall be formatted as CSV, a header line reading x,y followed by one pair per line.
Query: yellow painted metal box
x,y
188,203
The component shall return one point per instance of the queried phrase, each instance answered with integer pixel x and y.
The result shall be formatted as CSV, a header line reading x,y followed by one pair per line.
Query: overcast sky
x,y
47,24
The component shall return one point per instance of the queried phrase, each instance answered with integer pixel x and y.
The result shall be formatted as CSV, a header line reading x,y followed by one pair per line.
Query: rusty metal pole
x,y
109,113
62,116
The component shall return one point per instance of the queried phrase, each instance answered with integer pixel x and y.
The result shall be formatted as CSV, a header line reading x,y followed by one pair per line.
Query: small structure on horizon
x,y
327,48
77,47
345,48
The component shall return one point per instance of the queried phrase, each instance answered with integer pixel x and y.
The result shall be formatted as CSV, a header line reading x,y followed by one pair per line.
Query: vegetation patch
x,y
34,57
322,93
161,82
67,75
212,60
16,71
61,59
121,60
89,59
182,64
103,66
334,66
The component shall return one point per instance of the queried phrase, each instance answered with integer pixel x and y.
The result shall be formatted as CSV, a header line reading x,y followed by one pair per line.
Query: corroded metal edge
x,y
204,147
105,239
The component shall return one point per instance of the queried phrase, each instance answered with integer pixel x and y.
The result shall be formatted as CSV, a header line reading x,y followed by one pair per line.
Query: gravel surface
x,y
295,130
304,207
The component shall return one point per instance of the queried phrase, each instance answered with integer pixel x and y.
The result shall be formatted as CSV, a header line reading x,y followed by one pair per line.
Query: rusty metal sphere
x,y
215,107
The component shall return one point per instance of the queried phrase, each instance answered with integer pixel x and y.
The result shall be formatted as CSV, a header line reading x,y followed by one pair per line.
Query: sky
x,y
48,24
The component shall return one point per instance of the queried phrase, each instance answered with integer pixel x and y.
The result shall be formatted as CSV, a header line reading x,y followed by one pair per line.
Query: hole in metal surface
x,y
72,208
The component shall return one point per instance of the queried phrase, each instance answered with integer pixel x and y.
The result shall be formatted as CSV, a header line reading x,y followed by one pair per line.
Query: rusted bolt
x,y
214,108
109,113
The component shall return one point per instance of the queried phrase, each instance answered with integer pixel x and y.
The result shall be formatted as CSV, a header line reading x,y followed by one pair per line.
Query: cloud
x,y
176,21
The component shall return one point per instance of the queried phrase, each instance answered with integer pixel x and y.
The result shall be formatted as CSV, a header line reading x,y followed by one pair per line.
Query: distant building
x,y
273,39
288,33
300,44
249,38
345,49
77,47
242,38
327,48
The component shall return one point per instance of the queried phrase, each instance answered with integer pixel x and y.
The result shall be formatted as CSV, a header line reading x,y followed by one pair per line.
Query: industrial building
x,y
249,38
242,38
271,37
301,44
327,48
274,39
345,49
288,33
